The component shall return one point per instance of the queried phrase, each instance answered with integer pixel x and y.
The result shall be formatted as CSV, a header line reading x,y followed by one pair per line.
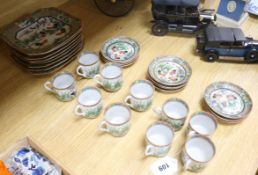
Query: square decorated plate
x,y
41,32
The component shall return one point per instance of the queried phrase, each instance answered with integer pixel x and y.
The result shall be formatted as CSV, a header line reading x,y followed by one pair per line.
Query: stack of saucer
x,y
229,102
169,73
44,41
121,50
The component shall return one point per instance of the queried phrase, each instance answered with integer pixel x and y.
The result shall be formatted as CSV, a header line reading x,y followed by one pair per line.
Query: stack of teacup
x,y
198,149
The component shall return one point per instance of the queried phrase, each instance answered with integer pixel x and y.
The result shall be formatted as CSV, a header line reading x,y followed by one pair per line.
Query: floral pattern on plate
x,y
41,33
120,49
228,100
169,71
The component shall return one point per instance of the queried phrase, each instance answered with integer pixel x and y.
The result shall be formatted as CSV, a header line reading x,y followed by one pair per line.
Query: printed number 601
x,y
163,167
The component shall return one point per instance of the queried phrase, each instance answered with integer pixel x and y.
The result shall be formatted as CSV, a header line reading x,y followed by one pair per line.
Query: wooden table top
x,y
27,109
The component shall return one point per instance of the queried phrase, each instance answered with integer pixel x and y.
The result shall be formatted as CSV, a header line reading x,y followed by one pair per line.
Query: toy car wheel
x,y
160,29
252,56
211,56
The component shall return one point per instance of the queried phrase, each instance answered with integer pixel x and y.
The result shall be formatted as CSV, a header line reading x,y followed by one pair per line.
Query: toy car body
x,y
179,16
227,44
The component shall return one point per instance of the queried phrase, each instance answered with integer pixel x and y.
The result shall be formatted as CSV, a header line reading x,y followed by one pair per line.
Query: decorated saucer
x,y
122,50
228,100
170,71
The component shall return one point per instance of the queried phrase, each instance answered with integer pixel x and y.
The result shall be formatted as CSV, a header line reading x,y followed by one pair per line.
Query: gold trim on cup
x,y
144,81
117,104
87,52
159,123
109,64
61,73
176,100
86,88
205,138
211,116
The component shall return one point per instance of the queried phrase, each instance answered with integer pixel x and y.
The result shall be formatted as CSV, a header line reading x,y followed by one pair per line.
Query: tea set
x,y
227,102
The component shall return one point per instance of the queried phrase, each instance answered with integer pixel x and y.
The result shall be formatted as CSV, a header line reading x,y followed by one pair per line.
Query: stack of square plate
x,y
44,41
229,102
121,50
169,73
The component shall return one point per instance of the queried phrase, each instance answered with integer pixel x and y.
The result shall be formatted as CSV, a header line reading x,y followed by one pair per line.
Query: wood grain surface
x,y
27,109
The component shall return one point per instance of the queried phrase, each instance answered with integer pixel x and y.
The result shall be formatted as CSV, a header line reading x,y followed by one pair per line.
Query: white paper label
x,y
165,166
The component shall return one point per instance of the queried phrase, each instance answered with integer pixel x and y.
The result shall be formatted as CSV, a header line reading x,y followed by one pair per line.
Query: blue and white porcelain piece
x,y
252,7
27,161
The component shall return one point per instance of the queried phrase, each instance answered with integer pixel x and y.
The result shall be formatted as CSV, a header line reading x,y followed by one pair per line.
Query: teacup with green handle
x,y
174,111
89,103
197,153
201,123
88,64
116,120
63,86
159,137
110,77
141,95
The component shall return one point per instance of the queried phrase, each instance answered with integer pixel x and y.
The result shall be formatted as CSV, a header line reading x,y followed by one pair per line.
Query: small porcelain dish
x,y
229,102
121,50
169,73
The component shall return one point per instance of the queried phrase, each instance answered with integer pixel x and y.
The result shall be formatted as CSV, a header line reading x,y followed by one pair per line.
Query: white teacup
x,y
89,103
159,138
198,151
110,77
201,123
88,65
174,111
63,86
141,95
116,120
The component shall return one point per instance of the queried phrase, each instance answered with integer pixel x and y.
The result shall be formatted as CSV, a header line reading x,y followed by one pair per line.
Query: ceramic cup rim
x,y
62,73
111,64
207,114
87,52
159,123
176,100
205,138
86,88
142,81
117,104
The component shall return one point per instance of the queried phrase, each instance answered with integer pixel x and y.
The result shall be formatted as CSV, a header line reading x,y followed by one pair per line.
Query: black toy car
x,y
179,16
227,44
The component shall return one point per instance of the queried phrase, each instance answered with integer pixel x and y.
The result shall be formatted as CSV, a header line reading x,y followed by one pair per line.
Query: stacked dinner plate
x,y
121,50
229,102
169,73
44,41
